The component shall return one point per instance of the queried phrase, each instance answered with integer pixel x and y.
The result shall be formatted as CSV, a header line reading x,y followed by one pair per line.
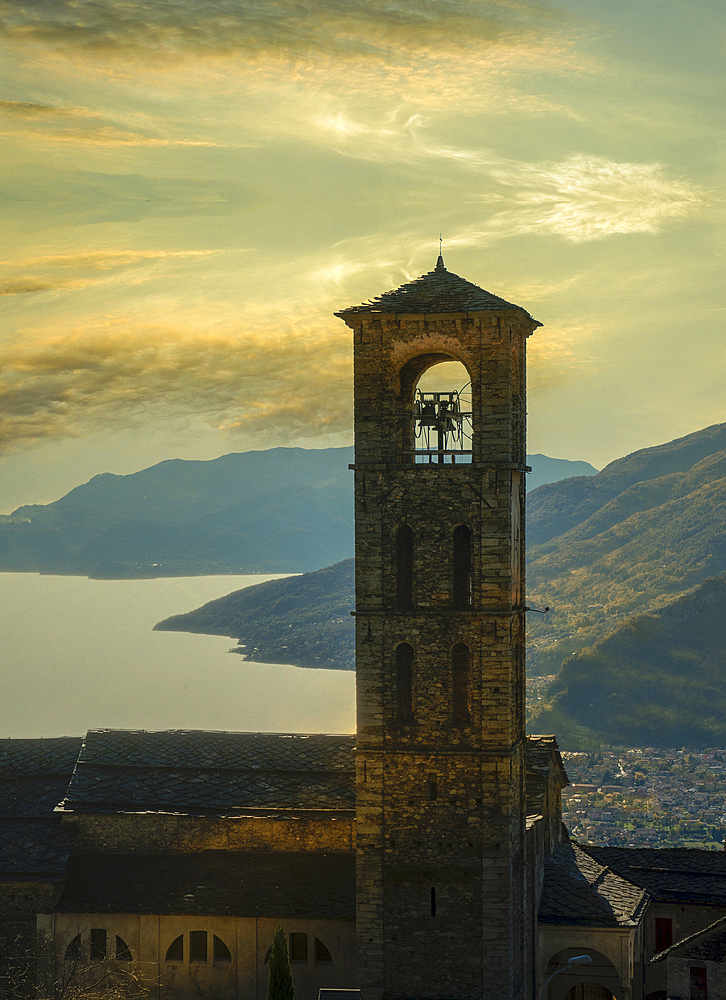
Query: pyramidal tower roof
x,y
437,291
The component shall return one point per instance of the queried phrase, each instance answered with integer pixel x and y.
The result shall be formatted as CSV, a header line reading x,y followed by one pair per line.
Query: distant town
x,y
646,797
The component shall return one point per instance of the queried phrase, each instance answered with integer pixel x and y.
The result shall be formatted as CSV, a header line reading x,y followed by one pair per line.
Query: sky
x,y
191,189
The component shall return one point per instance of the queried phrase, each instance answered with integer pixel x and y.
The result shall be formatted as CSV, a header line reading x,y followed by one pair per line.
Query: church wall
x,y
319,831
248,939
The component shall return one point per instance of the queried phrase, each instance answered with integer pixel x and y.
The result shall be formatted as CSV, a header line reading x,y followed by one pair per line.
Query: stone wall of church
x,y
315,831
231,964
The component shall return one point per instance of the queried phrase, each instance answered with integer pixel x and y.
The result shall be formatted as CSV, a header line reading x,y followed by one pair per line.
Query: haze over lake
x,y
78,654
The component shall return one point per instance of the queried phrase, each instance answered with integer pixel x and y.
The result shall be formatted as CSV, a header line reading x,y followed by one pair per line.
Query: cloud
x,y
80,270
371,28
291,380
78,125
580,198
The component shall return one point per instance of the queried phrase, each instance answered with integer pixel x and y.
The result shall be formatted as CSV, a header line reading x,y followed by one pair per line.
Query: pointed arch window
x,y
404,683
462,567
460,671
404,567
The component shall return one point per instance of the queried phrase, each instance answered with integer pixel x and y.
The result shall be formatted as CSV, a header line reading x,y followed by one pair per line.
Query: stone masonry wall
x,y
440,800
334,831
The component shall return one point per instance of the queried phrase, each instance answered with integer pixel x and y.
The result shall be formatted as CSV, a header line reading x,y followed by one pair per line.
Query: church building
x,y
423,858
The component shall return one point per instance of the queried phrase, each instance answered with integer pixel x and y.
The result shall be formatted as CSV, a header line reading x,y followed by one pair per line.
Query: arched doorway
x,y
598,980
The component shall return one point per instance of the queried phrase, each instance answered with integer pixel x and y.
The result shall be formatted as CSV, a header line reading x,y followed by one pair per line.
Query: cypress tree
x,y
279,982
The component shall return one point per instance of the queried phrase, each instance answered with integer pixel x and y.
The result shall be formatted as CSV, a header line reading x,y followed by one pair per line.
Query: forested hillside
x,y
304,620
661,535
657,678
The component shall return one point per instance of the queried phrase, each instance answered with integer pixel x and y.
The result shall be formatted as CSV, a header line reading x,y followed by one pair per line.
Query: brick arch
x,y
410,372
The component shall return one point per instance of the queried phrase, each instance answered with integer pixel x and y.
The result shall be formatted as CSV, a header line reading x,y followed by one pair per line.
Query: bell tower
x,y
439,521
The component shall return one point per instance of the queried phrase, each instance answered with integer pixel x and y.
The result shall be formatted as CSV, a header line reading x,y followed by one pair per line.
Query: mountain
x,y
651,526
286,510
657,677
304,620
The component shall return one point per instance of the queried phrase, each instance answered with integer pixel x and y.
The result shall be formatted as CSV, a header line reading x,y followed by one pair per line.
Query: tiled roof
x,y
34,775
245,884
437,291
21,758
538,755
33,850
216,773
208,773
675,874
578,890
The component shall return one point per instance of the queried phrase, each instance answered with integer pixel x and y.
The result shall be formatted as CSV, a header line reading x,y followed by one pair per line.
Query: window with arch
x,y
404,567
99,947
404,682
198,944
442,412
298,948
462,567
460,671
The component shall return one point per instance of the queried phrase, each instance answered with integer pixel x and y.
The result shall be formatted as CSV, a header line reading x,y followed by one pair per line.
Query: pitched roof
x,y
34,775
718,925
437,291
211,773
238,883
539,751
196,772
578,890
676,874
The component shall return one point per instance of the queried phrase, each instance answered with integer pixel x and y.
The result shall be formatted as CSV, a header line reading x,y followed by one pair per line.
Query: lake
x,y
78,654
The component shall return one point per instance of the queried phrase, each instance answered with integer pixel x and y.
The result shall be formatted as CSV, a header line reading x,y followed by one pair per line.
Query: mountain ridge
x,y
275,511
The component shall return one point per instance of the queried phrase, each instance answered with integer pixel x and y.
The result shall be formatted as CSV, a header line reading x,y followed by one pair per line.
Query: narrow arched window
x,y
404,682
460,657
462,567
404,568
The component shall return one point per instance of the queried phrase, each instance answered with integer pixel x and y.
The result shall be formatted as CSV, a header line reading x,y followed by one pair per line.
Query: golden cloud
x,y
304,29
291,381
79,270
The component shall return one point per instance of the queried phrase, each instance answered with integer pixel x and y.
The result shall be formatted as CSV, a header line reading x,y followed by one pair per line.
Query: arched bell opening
x,y
436,418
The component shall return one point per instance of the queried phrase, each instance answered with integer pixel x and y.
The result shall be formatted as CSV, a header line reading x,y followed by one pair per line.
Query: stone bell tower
x,y
439,521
